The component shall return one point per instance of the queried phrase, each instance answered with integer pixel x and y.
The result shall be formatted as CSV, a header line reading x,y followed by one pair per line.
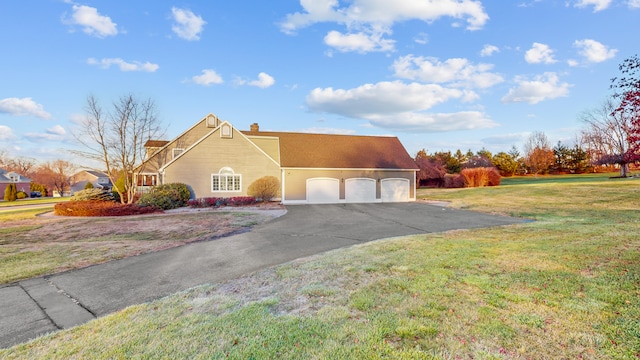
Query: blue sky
x,y
439,74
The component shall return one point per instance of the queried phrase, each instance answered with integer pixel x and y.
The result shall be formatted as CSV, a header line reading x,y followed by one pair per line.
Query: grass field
x,y
565,286
34,201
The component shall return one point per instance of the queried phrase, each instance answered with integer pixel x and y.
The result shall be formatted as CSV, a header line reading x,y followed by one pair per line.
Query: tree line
x,y
610,139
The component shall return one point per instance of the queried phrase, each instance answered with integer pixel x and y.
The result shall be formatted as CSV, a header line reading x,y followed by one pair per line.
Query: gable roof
x,y
5,177
329,151
155,143
96,173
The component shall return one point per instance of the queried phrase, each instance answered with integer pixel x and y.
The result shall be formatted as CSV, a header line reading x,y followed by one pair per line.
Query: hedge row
x,y
473,177
101,208
218,201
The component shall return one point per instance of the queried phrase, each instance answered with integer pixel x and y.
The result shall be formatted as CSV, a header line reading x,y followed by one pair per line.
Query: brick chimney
x,y
254,128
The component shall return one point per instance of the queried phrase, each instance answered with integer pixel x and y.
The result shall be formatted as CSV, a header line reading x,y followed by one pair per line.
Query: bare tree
x,y
55,175
22,165
606,135
116,138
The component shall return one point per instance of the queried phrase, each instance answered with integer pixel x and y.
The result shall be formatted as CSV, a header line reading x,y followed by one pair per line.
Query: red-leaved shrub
x,y
217,202
453,181
100,208
481,176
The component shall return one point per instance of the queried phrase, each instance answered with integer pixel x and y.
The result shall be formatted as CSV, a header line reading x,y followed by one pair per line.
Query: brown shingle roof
x,y
155,143
302,150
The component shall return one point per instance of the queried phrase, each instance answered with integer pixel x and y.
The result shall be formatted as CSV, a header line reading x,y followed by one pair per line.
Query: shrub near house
x,y
166,197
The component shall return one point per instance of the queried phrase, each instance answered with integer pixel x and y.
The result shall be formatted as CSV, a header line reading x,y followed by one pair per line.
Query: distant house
x,y
98,179
22,183
216,160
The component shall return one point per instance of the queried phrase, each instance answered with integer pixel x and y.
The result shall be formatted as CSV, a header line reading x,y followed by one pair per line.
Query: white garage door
x,y
360,190
323,191
394,190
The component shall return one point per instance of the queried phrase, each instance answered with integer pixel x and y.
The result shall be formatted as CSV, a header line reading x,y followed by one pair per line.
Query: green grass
x,y
33,201
564,286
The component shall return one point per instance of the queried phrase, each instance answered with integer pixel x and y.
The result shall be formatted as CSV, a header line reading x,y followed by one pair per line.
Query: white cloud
x,y
456,72
489,50
207,78
362,12
6,133
359,42
539,53
123,65
423,38
56,133
439,122
187,25
24,106
92,22
594,51
598,5
634,4
542,87
264,81
367,21
398,105
381,98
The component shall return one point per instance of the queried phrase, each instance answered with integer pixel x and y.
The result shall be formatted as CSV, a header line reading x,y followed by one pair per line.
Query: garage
x,y
394,190
323,191
360,190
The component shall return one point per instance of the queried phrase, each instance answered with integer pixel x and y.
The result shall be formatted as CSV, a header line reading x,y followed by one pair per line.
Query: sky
x,y
440,75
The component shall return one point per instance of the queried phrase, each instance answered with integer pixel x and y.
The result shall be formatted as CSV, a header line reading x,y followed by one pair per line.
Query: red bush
x,y
453,181
494,177
479,177
100,208
216,201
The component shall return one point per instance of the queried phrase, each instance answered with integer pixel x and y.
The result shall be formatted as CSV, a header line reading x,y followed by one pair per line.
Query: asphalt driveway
x,y
34,307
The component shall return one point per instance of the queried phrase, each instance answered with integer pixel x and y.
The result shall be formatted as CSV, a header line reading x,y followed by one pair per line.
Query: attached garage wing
x,y
395,190
323,191
360,190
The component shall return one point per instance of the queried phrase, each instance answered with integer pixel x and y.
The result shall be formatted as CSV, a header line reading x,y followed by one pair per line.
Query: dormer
x,y
212,121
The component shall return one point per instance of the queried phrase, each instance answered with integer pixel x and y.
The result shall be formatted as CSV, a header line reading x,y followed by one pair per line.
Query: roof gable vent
x,y
212,121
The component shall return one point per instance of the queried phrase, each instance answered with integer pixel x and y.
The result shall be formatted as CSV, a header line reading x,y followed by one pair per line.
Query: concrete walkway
x,y
37,306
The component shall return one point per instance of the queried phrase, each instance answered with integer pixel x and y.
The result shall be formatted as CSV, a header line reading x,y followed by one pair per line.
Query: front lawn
x,y
566,285
33,245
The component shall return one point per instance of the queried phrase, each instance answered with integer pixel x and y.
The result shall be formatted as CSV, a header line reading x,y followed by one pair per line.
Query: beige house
x,y
217,160
98,179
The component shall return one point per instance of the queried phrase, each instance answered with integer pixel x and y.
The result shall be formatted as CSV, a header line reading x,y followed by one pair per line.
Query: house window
x,y
226,180
147,180
176,152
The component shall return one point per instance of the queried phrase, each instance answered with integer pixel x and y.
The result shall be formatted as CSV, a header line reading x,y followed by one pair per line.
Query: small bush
x,y
22,195
481,176
241,200
265,189
92,194
217,202
100,208
452,181
167,196
88,185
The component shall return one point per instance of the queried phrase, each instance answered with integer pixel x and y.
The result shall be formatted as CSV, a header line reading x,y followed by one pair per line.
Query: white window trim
x,y
225,173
